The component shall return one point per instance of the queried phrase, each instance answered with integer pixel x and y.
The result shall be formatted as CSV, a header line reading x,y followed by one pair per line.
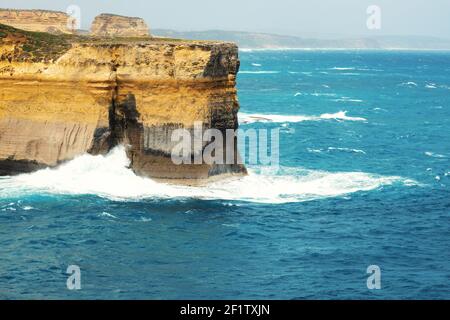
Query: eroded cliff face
x,y
89,96
36,20
111,25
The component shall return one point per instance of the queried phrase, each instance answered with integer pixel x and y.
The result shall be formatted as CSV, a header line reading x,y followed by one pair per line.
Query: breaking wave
x,y
342,68
348,99
259,72
109,176
245,118
331,149
408,84
434,155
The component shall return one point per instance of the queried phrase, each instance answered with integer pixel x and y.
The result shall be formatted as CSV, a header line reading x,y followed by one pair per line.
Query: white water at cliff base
x,y
109,176
245,118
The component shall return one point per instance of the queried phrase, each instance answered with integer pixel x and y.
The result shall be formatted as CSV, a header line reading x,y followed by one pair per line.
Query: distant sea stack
x,y
111,25
36,20
64,95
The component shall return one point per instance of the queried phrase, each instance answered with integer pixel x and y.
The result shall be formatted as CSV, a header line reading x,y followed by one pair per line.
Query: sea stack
x,y
36,20
63,96
111,25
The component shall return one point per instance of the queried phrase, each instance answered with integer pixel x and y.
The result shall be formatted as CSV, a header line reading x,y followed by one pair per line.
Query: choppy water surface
x,y
364,180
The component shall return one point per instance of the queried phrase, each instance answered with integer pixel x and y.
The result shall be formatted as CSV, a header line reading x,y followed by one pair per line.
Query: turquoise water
x,y
364,180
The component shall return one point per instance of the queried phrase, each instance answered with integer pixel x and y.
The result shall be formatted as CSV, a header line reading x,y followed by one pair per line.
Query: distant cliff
x,y
64,95
36,20
111,25
254,40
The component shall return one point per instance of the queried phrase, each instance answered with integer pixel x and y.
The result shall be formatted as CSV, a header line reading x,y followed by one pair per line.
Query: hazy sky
x,y
295,17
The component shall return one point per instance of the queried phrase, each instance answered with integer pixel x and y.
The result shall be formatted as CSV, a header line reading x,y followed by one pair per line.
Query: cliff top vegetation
x,y
47,47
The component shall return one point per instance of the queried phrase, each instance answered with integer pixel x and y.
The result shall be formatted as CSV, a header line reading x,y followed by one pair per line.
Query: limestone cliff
x,y
36,20
62,96
111,25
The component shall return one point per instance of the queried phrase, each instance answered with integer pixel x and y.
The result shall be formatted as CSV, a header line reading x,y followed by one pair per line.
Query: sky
x,y
311,18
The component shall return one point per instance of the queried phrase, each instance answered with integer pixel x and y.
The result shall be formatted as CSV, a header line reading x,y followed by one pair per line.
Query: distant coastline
x,y
341,49
265,41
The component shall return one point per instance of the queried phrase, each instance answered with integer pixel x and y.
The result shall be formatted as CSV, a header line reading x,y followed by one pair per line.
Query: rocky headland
x,y
111,25
64,95
36,20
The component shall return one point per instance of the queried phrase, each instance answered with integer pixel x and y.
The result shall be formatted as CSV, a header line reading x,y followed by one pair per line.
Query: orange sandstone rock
x,y
86,95
111,25
36,20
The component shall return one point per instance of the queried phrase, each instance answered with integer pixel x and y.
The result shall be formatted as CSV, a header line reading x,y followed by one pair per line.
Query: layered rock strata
x,y
36,20
62,97
111,25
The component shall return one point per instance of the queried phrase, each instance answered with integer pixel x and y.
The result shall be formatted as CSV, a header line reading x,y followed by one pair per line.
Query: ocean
x,y
364,180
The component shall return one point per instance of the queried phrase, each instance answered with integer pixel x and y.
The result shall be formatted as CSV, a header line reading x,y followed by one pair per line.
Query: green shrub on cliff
x,y
47,47
36,46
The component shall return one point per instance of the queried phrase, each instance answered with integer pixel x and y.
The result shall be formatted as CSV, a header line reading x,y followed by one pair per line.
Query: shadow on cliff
x,y
124,127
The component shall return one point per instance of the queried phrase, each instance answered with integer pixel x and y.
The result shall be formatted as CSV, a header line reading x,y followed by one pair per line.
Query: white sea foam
x,y
109,177
256,64
324,94
342,68
341,115
369,69
434,155
259,72
409,84
354,69
346,150
347,99
108,215
331,149
257,117
311,150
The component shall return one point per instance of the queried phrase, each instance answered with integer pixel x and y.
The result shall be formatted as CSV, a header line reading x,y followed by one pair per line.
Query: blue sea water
x,y
364,180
